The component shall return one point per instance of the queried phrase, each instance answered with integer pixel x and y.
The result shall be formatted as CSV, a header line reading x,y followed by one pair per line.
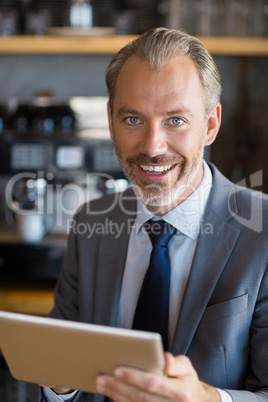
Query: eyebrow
x,y
124,111
179,112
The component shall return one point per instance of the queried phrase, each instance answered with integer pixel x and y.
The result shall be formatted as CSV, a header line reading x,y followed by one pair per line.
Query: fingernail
x,y
100,385
118,373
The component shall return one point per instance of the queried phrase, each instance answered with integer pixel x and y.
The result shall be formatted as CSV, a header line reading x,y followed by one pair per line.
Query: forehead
x,y
177,80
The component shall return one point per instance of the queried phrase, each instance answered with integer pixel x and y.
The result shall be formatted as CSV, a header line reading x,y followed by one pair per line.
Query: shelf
x,y
111,44
63,45
236,46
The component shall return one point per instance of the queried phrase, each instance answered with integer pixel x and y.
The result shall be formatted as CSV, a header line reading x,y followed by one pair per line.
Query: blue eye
x,y
176,121
133,120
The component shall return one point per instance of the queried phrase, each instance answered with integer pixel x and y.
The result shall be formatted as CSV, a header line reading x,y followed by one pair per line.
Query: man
x,y
164,93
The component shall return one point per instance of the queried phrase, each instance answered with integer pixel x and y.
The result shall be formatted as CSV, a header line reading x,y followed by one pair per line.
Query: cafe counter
x,y
31,298
28,273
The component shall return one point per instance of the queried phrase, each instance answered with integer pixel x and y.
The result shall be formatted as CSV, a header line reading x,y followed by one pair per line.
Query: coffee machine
x,y
47,170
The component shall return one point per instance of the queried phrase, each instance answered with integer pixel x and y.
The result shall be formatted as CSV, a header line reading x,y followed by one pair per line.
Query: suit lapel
x,y
214,247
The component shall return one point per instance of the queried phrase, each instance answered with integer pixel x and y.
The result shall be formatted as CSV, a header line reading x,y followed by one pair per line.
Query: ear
x,y
109,113
214,122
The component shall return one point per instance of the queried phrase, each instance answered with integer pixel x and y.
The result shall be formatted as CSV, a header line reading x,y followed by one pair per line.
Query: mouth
x,y
156,170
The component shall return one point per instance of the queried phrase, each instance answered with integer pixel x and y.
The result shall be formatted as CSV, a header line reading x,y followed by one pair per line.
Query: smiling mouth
x,y
157,169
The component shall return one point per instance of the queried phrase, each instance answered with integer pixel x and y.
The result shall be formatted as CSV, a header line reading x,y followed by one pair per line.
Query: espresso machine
x,y
54,156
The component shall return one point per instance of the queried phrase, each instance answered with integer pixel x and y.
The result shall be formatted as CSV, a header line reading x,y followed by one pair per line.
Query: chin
x,y
156,196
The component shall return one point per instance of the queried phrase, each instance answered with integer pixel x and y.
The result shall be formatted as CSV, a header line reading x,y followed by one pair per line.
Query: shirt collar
x,y
187,216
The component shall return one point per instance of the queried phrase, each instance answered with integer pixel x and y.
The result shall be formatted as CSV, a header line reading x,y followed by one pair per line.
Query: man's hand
x,y
181,384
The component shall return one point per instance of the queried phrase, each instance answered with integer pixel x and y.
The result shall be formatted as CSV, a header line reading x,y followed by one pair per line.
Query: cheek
x,y
126,143
188,143
123,146
182,144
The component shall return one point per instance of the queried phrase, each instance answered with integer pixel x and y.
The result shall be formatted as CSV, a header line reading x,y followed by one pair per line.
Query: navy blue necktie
x,y
152,309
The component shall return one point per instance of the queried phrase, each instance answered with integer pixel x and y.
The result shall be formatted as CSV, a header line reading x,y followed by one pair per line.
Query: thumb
x,y
177,366
170,365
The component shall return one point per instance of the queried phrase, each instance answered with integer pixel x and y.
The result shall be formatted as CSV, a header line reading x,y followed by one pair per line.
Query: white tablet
x,y
70,354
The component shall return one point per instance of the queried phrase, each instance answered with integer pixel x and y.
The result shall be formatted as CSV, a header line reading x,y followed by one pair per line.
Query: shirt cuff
x,y
225,397
51,396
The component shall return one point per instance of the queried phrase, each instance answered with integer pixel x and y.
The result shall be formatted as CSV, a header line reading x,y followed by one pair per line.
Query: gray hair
x,y
160,45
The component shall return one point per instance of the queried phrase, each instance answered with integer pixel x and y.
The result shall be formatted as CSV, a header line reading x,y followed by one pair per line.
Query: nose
x,y
153,141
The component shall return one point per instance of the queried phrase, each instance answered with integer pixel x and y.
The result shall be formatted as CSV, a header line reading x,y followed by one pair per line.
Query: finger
x,y
150,384
179,366
121,391
144,380
111,387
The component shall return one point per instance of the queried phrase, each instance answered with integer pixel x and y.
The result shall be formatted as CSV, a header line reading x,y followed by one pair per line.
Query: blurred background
x,y
200,17
55,151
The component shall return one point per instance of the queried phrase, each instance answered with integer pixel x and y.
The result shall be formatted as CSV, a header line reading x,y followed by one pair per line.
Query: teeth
x,y
156,168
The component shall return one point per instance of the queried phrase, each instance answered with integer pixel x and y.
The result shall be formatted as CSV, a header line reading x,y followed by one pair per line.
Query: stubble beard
x,y
162,194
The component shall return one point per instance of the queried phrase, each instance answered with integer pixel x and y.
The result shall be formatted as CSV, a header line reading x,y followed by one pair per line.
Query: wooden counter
x,y
28,296
28,299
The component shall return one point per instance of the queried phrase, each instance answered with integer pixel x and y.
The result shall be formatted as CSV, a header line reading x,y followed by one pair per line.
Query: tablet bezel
x,y
71,354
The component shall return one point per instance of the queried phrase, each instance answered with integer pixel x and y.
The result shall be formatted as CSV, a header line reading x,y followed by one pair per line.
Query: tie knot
x,y
160,232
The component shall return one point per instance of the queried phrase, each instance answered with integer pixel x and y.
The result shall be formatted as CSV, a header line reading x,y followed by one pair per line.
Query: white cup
x,y
31,226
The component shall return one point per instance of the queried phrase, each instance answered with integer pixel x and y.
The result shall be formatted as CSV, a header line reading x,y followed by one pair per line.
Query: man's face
x,y
159,128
